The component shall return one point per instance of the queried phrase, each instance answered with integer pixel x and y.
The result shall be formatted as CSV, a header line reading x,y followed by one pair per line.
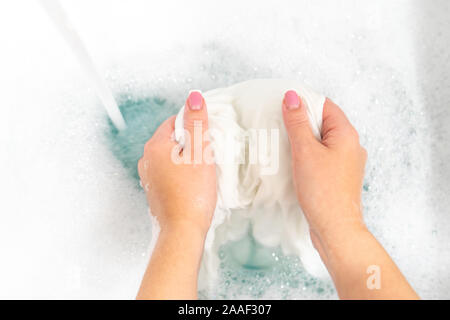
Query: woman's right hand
x,y
328,174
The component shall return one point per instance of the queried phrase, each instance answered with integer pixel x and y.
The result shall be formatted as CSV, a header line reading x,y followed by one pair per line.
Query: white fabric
x,y
248,194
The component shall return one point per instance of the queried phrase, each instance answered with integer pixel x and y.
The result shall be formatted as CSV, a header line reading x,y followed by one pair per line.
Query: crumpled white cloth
x,y
260,194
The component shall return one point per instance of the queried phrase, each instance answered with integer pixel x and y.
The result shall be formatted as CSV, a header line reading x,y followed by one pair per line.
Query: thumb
x,y
297,122
195,124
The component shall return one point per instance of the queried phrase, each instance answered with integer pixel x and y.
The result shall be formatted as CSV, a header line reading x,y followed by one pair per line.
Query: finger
x,y
195,124
296,121
335,123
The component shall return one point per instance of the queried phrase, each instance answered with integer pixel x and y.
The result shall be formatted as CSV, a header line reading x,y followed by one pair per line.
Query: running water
x,y
59,17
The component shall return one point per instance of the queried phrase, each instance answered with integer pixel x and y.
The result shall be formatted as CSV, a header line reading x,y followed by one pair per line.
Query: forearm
x,y
361,268
172,272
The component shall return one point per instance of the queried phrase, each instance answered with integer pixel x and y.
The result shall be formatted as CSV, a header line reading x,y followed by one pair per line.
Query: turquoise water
x,y
246,267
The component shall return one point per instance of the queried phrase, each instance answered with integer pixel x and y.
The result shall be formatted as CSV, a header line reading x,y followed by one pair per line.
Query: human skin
x,y
328,179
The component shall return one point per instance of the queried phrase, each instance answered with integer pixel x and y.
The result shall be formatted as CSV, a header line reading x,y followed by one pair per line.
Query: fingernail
x,y
195,100
291,100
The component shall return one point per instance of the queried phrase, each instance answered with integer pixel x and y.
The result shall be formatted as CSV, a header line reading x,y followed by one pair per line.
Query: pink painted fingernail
x,y
291,100
195,100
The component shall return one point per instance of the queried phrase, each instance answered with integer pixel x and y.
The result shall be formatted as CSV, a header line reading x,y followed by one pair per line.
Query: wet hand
x,y
181,193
